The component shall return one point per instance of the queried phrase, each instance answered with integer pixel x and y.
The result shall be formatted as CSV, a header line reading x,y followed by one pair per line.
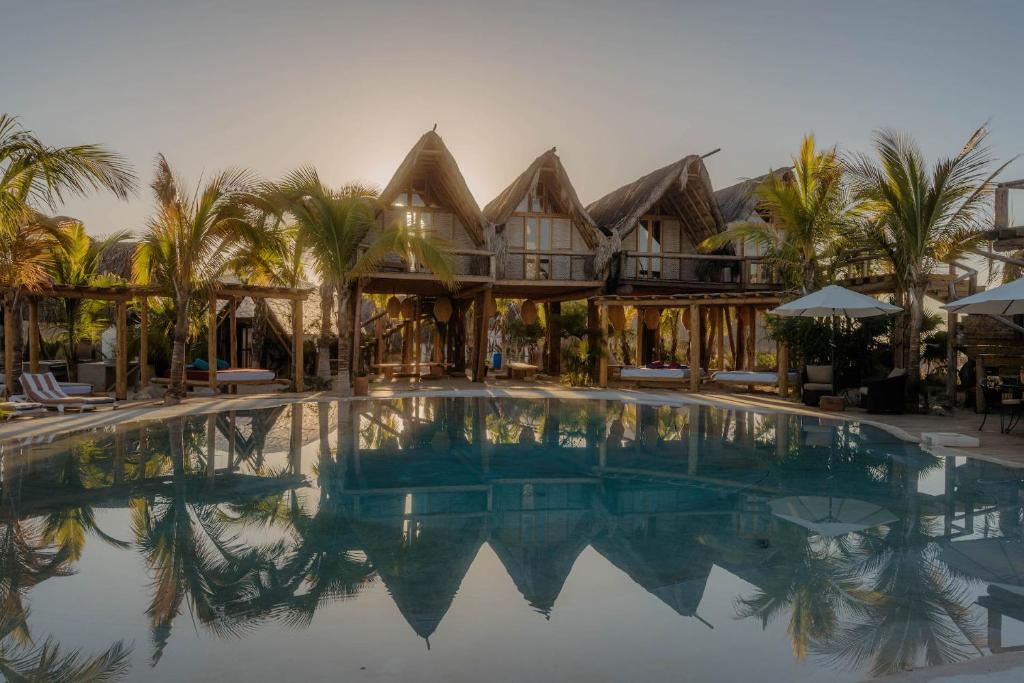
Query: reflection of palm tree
x,y
20,662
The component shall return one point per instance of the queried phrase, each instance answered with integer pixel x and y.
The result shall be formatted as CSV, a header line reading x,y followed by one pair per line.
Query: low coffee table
x,y
834,404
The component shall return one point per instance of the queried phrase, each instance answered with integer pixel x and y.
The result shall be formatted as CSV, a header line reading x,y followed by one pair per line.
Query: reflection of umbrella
x,y
1006,299
832,301
993,560
828,516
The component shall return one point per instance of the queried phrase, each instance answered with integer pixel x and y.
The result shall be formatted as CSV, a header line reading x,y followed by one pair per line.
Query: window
x,y
421,224
538,248
649,245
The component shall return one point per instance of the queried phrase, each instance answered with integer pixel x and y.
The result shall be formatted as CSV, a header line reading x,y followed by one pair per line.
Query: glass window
x,y
545,234
649,244
524,204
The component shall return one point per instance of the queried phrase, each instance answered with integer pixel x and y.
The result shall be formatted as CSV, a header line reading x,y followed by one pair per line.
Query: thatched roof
x,y
682,188
117,259
430,157
549,168
737,202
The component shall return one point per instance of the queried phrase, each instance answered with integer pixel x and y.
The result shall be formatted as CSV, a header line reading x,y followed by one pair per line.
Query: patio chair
x,y
43,388
817,382
886,395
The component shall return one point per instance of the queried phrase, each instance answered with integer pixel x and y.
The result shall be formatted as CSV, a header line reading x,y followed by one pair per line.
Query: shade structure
x,y
1006,299
829,516
835,300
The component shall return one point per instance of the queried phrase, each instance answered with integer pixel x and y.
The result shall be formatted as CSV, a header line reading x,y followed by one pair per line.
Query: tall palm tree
x,y
918,218
34,179
76,261
808,209
333,223
189,243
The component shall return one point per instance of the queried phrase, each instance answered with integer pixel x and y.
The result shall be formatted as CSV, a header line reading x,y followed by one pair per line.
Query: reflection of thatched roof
x,y
737,202
430,157
680,189
540,567
424,569
547,168
672,565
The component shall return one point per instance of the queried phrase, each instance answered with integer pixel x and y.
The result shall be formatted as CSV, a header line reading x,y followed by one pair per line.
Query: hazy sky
x,y
620,87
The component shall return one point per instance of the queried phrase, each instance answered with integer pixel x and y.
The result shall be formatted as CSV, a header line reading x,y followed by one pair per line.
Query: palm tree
x,y
76,261
333,224
918,218
189,243
34,179
808,209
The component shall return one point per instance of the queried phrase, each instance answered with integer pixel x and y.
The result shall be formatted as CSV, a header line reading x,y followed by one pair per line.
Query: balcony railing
x,y
478,262
695,268
530,264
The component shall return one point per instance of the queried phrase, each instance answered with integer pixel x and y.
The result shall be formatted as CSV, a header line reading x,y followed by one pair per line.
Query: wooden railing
x,y
680,267
478,262
530,264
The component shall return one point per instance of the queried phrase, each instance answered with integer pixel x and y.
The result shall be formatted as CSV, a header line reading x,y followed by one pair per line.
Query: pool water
x,y
461,539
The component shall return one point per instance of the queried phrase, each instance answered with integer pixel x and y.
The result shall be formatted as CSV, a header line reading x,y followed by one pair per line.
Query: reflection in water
x,y
248,519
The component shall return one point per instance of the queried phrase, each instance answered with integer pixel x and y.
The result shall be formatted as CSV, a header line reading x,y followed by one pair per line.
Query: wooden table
x,y
521,370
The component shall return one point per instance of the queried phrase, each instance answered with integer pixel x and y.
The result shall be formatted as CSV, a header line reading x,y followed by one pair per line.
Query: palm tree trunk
x,y
71,311
323,350
176,390
343,382
914,343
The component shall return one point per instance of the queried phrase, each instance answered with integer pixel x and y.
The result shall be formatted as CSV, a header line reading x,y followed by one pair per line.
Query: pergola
x,y
746,303
121,295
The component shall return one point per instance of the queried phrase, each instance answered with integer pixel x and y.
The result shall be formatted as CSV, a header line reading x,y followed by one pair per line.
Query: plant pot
x,y
361,386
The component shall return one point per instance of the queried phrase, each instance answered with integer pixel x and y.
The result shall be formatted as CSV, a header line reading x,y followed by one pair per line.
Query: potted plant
x,y
361,384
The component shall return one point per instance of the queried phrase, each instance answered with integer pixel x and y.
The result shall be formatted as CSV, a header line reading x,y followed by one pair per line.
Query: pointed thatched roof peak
x,y
682,188
430,157
550,167
738,202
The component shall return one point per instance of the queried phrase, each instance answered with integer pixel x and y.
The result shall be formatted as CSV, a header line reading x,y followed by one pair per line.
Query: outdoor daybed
x,y
751,378
228,377
656,377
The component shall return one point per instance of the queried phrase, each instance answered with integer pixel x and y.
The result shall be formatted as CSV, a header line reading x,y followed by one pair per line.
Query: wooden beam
x,y
121,351
33,335
233,331
719,327
143,343
298,340
8,348
211,343
602,361
482,303
695,339
783,358
357,326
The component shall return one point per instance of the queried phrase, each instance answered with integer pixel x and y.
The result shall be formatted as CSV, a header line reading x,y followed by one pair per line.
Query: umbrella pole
x,y
834,383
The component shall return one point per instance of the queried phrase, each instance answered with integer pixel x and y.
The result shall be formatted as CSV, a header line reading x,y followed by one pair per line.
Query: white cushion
x,y
818,386
821,374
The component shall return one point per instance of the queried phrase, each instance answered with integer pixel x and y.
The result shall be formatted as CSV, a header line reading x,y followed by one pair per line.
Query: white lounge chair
x,y
43,388
12,409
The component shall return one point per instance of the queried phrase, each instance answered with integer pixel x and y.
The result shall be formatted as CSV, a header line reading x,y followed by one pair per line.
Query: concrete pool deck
x,y
1004,449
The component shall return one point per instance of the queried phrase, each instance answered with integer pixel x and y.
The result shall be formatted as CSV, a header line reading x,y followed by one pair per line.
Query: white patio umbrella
x,y
828,516
831,301
1006,299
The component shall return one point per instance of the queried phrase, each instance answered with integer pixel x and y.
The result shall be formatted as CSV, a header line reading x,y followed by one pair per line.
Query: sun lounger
x,y
228,377
44,388
12,409
656,377
751,378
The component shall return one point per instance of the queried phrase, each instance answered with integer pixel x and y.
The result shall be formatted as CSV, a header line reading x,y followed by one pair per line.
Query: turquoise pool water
x,y
445,539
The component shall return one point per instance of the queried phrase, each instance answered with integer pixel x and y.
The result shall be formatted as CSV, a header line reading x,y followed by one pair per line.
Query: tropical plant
x,y
76,262
332,224
189,243
34,179
808,210
917,218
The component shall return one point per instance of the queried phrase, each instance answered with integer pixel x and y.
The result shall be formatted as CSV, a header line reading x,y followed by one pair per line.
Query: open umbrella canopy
x,y
1006,299
828,516
993,560
835,300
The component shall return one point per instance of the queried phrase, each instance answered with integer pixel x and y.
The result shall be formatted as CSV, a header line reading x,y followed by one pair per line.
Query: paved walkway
x,y
1005,449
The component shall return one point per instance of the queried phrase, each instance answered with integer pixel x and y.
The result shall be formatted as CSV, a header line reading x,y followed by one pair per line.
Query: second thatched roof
x,y
738,202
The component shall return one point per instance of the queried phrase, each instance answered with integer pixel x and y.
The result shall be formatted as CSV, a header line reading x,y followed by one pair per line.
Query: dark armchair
x,y
886,395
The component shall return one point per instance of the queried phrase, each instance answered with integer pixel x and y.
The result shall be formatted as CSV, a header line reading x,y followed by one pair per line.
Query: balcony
x,y
523,264
697,269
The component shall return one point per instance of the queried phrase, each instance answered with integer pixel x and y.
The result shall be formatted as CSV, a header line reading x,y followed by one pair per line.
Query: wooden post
x,y
782,355
378,330
8,348
416,339
602,359
33,335
298,346
482,303
951,321
554,338
740,357
594,335
357,328
121,350
695,338
143,343
751,338
211,343
720,345
233,332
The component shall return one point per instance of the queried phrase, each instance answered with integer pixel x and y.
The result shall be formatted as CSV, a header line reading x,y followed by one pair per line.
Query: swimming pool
x,y
457,539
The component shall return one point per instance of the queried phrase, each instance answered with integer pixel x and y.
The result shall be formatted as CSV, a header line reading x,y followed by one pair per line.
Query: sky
x,y
621,88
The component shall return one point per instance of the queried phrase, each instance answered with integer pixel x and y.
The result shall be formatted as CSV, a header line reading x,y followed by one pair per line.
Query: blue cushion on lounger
x,y
222,364
200,364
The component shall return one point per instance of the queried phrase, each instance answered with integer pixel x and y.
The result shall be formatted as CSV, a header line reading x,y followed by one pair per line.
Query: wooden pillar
x,y
416,329
211,343
378,331
233,332
482,303
740,357
33,335
357,328
8,348
143,343
554,338
298,346
602,359
783,357
459,338
695,344
751,338
951,321
720,341
594,334
121,346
